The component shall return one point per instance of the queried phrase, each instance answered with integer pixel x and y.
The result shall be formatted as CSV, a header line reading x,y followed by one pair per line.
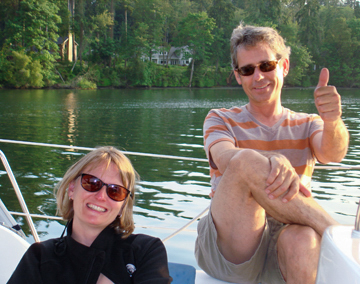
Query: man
x,y
263,225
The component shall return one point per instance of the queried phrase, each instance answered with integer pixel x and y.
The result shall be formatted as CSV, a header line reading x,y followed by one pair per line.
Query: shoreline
x,y
145,87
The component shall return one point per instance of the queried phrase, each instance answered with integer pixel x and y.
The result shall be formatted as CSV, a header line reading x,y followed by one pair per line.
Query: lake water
x,y
158,121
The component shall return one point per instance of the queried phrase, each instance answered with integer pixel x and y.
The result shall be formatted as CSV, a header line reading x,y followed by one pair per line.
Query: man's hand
x,y
327,99
283,181
331,144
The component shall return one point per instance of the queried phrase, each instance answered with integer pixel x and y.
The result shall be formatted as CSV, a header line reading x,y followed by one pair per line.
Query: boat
x,y
339,257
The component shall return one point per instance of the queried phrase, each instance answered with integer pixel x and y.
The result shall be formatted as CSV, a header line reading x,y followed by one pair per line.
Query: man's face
x,y
262,88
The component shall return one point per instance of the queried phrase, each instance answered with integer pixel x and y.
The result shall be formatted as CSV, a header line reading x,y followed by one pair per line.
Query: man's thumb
x,y
323,78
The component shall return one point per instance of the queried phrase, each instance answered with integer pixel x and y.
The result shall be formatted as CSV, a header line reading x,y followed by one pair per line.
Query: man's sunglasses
x,y
265,66
114,191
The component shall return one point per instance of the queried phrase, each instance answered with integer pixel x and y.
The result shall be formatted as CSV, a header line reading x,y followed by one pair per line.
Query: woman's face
x,y
95,210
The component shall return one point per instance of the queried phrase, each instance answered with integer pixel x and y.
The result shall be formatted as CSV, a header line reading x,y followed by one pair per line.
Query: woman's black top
x,y
136,259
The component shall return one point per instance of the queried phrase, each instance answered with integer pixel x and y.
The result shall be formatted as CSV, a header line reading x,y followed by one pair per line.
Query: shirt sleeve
x,y
217,128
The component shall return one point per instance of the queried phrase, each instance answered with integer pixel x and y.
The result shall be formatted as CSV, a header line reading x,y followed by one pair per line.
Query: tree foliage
x,y
31,37
117,40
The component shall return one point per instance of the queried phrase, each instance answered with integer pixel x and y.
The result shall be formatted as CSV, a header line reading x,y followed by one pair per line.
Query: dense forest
x,y
111,43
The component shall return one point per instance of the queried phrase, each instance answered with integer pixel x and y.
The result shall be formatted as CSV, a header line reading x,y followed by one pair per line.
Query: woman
x,y
96,197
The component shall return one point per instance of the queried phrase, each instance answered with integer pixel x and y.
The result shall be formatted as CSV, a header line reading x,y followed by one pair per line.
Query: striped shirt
x,y
291,136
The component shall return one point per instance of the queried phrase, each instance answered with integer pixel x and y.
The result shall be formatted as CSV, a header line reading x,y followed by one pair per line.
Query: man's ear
x,y
237,77
285,64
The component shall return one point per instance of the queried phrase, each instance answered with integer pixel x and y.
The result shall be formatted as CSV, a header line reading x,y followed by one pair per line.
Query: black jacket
x,y
63,260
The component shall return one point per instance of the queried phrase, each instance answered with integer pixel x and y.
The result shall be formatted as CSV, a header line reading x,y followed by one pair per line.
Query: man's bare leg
x,y
239,202
238,217
298,254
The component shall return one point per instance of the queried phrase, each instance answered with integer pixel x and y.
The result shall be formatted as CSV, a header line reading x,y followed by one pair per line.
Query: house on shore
x,y
176,56
68,48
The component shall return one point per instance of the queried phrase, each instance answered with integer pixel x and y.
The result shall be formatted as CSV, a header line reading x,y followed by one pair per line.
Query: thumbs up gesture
x,y
327,99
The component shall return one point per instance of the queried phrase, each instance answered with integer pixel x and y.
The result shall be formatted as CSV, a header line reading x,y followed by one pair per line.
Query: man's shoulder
x,y
226,112
301,116
299,113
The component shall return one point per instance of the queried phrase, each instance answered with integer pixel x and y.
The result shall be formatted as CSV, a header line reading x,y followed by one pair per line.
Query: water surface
x,y
159,121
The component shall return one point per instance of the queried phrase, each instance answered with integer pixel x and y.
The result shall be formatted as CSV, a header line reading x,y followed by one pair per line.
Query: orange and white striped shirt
x,y
291,136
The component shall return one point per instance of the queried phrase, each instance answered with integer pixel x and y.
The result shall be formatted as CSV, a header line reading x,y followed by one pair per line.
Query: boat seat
x,y
12,248
182,273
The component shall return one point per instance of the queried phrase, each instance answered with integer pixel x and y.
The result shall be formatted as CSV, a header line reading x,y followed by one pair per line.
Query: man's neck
x,y
268,115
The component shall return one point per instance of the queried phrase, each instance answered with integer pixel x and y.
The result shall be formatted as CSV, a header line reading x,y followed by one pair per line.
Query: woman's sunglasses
x,y
265,66
114,191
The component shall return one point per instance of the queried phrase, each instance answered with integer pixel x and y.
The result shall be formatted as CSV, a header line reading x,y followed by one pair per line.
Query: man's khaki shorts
x,y
263,267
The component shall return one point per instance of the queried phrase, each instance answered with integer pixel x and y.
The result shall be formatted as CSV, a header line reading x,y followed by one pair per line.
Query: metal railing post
x,y
19,196
357,219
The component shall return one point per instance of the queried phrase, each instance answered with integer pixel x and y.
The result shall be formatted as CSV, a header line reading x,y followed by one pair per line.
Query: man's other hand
x,y
283,181
327,99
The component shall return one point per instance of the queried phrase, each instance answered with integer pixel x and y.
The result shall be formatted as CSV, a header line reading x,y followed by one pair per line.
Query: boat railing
x,y
357,223
19,196
29,216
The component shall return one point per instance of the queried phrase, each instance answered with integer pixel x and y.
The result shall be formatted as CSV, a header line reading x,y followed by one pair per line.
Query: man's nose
x,y
258,74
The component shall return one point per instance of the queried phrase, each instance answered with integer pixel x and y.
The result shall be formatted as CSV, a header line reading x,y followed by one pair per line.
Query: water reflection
x,y
71,107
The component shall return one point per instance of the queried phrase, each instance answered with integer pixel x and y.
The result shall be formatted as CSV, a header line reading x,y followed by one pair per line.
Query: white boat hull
x,y
340,257
203,278
12,248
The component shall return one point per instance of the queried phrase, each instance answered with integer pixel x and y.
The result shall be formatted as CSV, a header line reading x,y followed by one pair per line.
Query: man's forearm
x,y
334,142
222,160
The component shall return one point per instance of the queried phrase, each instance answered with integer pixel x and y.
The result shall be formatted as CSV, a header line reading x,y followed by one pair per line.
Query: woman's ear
x,y
71,189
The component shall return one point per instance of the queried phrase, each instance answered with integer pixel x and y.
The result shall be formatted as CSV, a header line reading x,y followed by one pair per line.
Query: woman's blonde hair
x,y
129,177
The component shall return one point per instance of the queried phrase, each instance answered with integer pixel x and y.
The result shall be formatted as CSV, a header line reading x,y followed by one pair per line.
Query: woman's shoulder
x,y
44,245
40,252
144,242
141,239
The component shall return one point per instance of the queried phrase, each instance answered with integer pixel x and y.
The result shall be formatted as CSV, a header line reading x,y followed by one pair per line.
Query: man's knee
x,y
298,252
302,239
248,163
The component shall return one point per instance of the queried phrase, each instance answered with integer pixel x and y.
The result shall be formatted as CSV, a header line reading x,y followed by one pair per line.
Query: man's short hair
x,y
250,36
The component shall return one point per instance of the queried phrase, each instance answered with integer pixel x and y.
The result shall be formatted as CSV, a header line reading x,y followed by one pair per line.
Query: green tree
x,y
221,11
8,10
357,9
338,52
34,29
175,11
195,33
102,46
340,44
354,25
309,28
300,61
79,26
262,12
24,72
152,14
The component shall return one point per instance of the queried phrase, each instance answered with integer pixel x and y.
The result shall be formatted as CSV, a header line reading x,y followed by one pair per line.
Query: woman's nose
x,y
101,194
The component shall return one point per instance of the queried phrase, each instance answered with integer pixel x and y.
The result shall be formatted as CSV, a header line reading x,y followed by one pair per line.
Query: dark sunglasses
x,y
114,191
265,66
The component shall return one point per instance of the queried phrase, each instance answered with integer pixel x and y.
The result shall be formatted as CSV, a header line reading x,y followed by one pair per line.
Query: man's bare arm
x,y
330,145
